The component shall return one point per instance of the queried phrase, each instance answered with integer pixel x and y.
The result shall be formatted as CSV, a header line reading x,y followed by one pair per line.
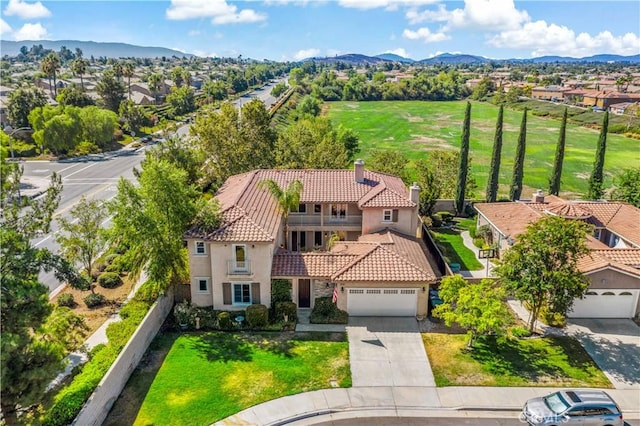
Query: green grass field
x,y
415,128
208,376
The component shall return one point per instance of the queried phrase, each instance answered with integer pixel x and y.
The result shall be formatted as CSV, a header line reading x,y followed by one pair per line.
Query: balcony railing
x,y
317,220
238,267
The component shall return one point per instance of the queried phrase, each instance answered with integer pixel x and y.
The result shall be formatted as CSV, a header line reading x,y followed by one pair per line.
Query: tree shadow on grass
x,y
506,357
225,347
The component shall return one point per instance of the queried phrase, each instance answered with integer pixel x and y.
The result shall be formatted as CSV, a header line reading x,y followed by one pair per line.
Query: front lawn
x,y
209,376
501,361
453,249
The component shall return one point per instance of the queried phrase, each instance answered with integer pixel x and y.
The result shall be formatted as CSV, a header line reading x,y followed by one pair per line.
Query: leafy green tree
x,y
484,87
309,106
494,170
518,164
554,182
388,161
541,268
214,90
479,308
21,102
627,186
31,357
182,155
430,190
111,90
98,125
177,76
464,161
288,199
150,219
134,116
349,139
278,90
182,100
596,180
75,96
58,129
81,236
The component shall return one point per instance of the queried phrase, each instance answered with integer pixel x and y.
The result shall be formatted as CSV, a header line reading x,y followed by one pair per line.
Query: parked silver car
x,y
583,407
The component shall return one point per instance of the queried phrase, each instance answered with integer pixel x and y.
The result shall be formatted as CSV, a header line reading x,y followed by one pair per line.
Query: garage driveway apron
x,y
387,351
614,344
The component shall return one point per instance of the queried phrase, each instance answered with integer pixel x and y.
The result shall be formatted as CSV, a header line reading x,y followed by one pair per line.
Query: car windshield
x,y
556,403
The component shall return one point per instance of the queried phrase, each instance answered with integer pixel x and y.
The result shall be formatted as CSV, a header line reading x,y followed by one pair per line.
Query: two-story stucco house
x,y
612,267
379,266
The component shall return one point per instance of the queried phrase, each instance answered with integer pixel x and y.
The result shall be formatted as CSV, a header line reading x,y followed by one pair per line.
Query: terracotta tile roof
x,y
236,226
512,219
318,186
627,260
386,256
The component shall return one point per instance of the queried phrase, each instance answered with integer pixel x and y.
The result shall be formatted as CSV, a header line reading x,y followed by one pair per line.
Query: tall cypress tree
x,y
554,182
464,160
518,164
494,172
595,181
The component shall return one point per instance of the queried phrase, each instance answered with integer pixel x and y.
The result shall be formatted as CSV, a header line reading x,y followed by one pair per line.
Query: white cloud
x,y
4,27
399,51
26,10
387,4
204,54
31,32
425,35
478,14
551,39
219,10
305,53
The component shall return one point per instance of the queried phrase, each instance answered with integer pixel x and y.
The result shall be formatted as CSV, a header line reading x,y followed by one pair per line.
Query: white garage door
x,y
606,304
382,302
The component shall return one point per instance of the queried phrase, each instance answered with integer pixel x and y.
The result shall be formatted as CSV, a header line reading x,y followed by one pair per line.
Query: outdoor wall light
x,y
424,289
326,285
342,289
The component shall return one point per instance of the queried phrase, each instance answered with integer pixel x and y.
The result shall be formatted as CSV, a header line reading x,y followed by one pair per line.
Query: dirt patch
x,y
584,176
390,138
412,119
95,317
428,144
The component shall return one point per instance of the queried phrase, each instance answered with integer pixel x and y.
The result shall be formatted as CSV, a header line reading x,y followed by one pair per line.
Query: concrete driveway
x,y
387,351
614,344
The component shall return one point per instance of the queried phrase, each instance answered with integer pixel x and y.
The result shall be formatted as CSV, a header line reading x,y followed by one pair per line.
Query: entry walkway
x,y
483,273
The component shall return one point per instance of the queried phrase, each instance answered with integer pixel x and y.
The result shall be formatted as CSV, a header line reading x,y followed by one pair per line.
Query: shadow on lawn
x,y
223,347
503,356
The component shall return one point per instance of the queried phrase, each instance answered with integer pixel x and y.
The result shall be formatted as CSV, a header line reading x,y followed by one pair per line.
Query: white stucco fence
x,y
97,407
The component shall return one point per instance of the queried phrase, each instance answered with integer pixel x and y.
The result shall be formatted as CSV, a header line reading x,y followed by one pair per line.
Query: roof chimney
x,y
414,193
358,168
538,196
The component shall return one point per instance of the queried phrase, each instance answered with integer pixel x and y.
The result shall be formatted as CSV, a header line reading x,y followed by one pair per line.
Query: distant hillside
x,y
92,48
594,58
394,58
448,58
350,58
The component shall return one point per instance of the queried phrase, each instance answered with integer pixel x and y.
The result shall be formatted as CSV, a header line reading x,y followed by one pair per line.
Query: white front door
x,y
382,302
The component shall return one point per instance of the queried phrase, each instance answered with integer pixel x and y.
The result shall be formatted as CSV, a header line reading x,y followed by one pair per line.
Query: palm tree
x,y
117,70
52,58
287,199
79,67
45,67
128,71
155,82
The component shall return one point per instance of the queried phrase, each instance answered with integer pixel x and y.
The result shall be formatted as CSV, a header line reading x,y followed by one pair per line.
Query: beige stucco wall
x,y
609,278
215,267
407,221
423,296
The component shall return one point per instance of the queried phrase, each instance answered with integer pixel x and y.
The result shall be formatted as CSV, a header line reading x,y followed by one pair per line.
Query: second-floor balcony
x,y
238,267
307,220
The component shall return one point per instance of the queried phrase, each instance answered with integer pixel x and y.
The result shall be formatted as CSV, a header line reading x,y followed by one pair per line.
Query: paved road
x,y
428,421
98,179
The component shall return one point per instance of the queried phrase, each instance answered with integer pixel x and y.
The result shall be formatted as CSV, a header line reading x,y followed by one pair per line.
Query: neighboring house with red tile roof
x,y
380,265
612,267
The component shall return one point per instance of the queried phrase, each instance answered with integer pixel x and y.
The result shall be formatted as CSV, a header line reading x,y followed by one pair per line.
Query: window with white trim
x,y
389,215
201,247
202,284
242,294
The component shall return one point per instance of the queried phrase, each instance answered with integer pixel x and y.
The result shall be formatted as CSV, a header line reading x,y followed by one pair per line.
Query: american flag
x,y
335,294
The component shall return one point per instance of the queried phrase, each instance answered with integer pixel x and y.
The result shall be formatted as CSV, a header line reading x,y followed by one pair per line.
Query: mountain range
x,y
124,50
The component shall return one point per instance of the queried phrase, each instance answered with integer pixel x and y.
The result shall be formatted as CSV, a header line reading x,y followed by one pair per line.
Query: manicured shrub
x,y
109,280
94,300
520,332
208,318
289,309
110,258
257,316
446,216
326,312
135,310
224,321
436,220
66,299
119,333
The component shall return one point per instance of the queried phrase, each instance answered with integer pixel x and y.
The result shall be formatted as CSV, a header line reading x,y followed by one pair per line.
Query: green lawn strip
x,y
502,361
208,376
453,249
416,127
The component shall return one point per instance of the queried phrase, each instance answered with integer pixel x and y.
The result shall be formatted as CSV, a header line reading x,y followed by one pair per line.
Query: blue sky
x,y
297,29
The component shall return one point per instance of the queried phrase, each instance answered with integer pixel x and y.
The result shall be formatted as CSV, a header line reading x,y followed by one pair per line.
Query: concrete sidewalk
x,y
468,242
369,402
